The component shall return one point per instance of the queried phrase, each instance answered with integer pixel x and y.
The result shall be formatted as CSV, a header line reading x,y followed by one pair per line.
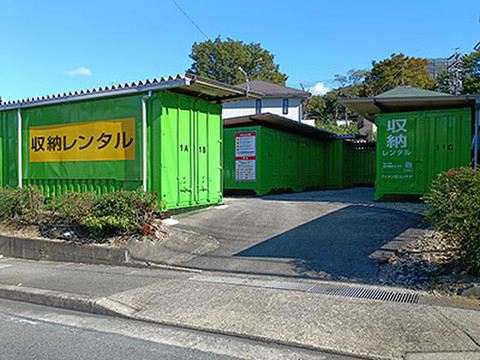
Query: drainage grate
x,y
334,290
364,293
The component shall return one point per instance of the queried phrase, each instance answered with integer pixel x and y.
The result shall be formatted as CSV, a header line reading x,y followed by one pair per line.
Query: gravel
x,y
427,264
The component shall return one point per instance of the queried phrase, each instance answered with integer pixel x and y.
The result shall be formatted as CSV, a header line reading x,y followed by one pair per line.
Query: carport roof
x,y
278,122
406,98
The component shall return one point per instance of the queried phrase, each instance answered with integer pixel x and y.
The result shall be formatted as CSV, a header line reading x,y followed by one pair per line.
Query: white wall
x,y
310,122
269,105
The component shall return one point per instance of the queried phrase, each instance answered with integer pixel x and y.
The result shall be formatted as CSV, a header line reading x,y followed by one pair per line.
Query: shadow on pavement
x,y
337,246
358,195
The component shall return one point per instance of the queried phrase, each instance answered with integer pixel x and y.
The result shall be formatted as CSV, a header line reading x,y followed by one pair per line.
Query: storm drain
x,y
323,289
365,293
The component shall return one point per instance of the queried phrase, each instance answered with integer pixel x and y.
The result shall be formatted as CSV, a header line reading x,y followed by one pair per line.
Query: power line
x,y
190,19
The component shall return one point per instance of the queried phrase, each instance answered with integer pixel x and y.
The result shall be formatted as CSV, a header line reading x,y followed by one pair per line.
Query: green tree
x,y
326,109
470,73
445,82
220,60
395,71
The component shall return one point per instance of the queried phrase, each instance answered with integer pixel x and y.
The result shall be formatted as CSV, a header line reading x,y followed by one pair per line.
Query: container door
x,y
319,163
185,153
290,161
201,150
215,153
169,154
304,163
448,143
270,164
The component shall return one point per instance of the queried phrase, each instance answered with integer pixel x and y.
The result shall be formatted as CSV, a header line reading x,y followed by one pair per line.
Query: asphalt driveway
x,y
336,235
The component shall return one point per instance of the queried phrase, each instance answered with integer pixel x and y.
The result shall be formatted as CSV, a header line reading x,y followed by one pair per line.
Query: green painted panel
x,y
214,155
286,162
99,176
183,153
9,148
334,164
348,164
364,165
270,163
186,149
413,147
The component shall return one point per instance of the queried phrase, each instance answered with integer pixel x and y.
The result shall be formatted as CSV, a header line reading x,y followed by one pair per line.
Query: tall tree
x,y
446,82
395,71
326,109
470,73
220,60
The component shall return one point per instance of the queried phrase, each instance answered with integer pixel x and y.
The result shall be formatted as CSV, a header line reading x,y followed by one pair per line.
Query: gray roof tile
x,y
273,90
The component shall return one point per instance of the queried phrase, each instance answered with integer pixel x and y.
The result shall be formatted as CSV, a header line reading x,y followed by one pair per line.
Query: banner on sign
x,y
85,141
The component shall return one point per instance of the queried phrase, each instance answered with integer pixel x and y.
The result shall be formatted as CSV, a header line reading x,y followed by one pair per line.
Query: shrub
x,y
71,207
122,212
21,204
453,207
112,213
116,213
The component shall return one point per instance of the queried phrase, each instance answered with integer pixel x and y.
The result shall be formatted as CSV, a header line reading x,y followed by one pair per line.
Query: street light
x,y
246,78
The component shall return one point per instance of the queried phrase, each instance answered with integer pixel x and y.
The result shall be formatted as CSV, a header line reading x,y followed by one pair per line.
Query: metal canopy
x,y
368,107
214,91
280,123
188,84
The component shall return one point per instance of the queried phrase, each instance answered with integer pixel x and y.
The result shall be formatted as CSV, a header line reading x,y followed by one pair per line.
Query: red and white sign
x,y
246,156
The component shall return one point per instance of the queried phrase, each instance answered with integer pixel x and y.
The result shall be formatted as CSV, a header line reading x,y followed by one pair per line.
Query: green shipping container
x,y
413,147
97,144
281,157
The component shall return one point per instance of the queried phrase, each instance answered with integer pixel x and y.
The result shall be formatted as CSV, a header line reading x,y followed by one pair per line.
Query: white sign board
x,y
246,156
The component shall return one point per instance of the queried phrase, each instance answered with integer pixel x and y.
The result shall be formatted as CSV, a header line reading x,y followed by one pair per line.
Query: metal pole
x,y
19,140
246,80
144,138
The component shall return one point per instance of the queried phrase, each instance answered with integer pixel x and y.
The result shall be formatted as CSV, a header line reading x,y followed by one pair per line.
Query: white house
x,y
279,100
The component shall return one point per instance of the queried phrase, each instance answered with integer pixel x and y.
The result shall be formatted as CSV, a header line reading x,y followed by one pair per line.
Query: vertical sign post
x,y
246,156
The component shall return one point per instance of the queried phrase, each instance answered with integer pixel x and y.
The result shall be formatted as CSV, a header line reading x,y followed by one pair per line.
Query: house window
x,y
285,107
258,106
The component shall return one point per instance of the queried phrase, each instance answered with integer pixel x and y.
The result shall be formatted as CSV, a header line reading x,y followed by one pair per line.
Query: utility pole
x,y
454,68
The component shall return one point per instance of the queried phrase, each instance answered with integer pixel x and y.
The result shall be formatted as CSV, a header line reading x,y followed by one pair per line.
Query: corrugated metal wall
x,y
8,148
291,162
183,156
413,147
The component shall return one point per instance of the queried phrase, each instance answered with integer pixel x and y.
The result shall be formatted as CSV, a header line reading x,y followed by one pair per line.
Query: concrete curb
x,y
83,303
62,251
36,249
106,306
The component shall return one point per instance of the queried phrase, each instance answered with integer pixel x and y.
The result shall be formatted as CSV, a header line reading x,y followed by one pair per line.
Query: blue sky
x,y
49,47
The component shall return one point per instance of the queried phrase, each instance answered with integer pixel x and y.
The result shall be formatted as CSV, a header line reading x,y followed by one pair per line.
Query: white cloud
x,y
318,89
80,71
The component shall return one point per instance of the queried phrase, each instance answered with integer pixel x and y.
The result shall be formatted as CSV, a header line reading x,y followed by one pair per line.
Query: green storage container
x,y
262,159
413,147
96,145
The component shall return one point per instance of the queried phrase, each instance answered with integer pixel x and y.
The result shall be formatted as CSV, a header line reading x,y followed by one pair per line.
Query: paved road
x,y
333,235
255,307
30,331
